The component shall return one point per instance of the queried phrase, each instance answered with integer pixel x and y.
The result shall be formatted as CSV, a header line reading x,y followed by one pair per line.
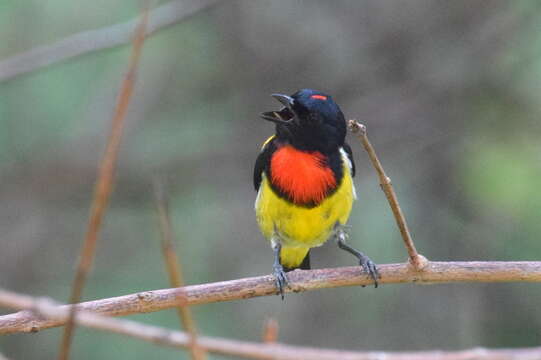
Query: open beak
x,y
283,116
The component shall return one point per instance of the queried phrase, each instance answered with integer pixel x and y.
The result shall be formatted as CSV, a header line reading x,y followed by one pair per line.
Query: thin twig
x,y
270,331
244,349
418,261
99,39
104,184
174,268
299,280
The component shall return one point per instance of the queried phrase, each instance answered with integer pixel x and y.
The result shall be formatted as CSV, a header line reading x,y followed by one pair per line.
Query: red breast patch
x,y
301,175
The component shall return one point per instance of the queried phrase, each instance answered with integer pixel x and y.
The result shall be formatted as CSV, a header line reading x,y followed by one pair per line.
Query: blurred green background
x,y
448,90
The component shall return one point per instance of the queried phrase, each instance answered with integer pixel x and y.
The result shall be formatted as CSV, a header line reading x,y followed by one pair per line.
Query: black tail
x,y
305,265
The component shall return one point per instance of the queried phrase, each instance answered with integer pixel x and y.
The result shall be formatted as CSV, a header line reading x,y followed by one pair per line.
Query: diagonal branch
x,y
104,183
99,39
174,268
156,300
418,261
244,349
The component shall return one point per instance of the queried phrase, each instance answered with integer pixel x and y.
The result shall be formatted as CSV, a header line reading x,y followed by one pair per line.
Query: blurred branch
x,y
270,331
2,357
99,39
417,260
174,268
243,349
49,309
299,280
104,183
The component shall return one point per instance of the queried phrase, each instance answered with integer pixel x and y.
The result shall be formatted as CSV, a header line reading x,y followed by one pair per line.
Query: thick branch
x,y
244,349
150,301
99,39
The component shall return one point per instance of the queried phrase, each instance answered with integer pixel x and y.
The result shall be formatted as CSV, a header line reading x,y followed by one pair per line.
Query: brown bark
x,y
300,280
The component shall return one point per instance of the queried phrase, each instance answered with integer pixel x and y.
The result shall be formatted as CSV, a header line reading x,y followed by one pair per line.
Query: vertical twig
x,y
174,268
104,184
417,260
270,331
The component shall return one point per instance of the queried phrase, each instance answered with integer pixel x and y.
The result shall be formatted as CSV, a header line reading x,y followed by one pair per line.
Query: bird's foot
x,y
369,266
365,262
281,279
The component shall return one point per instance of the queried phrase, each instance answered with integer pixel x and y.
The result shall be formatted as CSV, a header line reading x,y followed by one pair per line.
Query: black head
x,y
310,120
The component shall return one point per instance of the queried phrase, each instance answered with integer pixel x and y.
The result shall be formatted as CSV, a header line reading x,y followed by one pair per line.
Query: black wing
x,y
262,162
347,148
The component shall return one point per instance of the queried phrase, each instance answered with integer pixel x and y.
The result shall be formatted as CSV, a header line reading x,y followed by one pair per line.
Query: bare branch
x,y
417,260
270,331
299,280
243,349
104,183
99,39
174,268
49,309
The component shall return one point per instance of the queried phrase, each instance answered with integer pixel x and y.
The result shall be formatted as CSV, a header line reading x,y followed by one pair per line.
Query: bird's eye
x,y
319,97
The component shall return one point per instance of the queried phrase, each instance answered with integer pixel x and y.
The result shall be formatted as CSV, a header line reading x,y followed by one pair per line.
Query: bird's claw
x,y
369,266
281,279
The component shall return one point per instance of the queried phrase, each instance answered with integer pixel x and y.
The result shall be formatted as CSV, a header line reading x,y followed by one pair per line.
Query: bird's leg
x,y
364,261
278,269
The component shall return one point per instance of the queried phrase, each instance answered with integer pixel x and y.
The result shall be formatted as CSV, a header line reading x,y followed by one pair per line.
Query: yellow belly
x,y
298,228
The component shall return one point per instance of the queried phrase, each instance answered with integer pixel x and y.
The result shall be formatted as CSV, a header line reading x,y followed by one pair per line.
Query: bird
x,y
303,176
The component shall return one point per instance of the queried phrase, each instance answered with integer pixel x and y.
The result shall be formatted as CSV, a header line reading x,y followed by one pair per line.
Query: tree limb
x,y
99,39
244,349
300,280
